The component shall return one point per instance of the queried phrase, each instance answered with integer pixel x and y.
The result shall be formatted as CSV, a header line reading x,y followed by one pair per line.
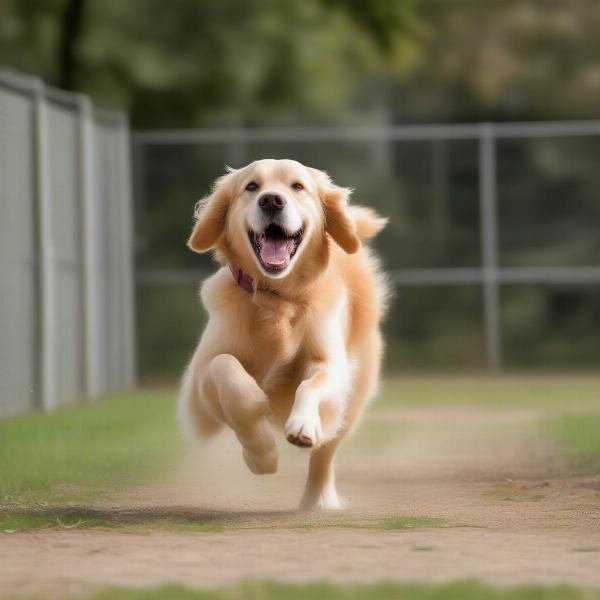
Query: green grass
x,y
12,520
87,451
498,392
577,438
411,523
460,590
519,491
389,523
177,519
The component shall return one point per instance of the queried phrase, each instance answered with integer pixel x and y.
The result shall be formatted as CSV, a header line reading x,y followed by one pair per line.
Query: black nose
x,y
271,202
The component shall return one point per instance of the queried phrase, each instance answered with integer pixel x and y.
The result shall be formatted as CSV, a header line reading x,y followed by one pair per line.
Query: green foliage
x,y
207,63
507,60
244,62
85,451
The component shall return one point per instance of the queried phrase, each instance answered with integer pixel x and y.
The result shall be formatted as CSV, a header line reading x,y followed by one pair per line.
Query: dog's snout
x,y
271,202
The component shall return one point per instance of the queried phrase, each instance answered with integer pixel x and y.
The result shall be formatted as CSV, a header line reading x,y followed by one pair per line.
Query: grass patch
x,y
492,392
389,523
81,452
519,491
182,519
577,438
88,518
460,590
411,523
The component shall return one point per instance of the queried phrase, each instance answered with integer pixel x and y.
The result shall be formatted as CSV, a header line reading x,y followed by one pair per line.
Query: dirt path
x,y
509,518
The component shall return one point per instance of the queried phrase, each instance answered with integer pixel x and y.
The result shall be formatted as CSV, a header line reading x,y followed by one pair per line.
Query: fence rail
x,y
388,133
66,309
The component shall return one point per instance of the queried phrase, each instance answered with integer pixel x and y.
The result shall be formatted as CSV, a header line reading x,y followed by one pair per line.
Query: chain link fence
x,y
493,241
66,299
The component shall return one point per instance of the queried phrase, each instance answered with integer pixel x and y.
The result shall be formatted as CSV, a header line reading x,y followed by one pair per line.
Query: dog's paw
x,y
326,501
303,430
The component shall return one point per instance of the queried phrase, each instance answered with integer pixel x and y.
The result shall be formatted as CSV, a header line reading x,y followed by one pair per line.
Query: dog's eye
x,y
252,186
297,186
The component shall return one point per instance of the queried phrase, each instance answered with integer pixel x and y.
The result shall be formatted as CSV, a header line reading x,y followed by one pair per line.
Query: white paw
x,y
303,430
332,502
326,501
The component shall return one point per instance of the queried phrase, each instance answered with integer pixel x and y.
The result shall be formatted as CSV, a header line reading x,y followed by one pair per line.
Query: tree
x,y
70,32
196,62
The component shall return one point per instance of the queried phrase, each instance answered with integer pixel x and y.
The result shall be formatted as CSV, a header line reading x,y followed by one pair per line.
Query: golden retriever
x,y
292,338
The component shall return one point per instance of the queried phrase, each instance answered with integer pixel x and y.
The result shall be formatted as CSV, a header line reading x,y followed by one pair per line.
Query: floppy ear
x,y
211,214
338,220
367,222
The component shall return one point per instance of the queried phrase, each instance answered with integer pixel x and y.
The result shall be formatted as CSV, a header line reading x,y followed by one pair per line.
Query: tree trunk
x,y
70,30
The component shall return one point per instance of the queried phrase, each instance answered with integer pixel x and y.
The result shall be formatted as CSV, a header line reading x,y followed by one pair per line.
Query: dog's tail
x,y
367,222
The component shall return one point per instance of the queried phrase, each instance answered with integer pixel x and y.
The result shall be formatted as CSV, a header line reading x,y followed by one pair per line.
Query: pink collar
x,y
242,278
246,282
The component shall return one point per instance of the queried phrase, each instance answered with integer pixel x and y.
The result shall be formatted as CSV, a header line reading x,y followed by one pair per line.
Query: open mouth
x,y
274,247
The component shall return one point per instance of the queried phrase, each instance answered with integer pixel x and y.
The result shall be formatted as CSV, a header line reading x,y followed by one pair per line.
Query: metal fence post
x,y
128,244
489,246
441,188
87,191
138,161
46,249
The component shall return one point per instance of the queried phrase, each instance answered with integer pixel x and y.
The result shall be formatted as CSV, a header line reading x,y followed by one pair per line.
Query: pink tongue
x,y
275,251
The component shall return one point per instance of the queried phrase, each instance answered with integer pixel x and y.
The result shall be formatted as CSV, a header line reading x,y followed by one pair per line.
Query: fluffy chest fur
x,y
276,340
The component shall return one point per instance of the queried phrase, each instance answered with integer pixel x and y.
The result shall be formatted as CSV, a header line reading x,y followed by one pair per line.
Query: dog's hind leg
x,y
236,399
194,416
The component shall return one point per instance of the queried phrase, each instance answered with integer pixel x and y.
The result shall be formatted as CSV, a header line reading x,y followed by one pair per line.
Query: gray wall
x,y
66,298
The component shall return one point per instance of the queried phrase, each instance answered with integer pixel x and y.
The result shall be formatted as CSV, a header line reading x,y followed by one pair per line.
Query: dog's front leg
x,y
315,422
317,408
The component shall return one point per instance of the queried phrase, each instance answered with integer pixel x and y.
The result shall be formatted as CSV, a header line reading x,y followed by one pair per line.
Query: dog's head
x,y
278,212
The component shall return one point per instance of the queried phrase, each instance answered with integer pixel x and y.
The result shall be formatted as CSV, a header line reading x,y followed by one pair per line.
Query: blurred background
x,y
470,124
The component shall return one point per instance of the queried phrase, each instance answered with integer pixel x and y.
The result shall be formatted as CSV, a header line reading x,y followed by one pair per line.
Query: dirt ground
x,y
509,518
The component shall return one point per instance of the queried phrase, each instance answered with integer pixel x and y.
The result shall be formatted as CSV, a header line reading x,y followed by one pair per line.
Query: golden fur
x,y
303,351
